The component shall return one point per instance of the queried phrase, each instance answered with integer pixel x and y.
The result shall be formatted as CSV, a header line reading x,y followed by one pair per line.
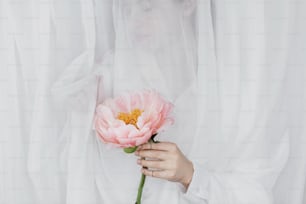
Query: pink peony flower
x,y
131,119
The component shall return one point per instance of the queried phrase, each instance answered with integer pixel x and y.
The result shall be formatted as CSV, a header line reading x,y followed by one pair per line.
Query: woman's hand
x,y
165,160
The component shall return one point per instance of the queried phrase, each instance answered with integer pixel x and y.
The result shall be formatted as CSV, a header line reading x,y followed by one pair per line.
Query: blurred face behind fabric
x,y
154,42
152,23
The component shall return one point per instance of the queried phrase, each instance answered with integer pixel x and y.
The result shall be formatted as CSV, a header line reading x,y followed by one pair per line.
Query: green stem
x,y
143,177
140,188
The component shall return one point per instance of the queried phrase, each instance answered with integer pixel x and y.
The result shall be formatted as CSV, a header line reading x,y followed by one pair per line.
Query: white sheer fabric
x,y
233,69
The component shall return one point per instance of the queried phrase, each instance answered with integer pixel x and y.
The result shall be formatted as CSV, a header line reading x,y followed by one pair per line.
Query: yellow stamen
x,y
130,118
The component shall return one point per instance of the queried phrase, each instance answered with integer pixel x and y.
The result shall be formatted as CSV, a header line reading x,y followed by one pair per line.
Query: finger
x,y
162,174
161,165
149,172
162,146
153,154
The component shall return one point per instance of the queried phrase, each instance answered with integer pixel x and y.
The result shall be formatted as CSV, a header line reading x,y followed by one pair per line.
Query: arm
x,y
245,180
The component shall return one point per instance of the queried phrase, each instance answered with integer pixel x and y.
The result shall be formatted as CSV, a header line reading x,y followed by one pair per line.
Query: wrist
x,y
188,176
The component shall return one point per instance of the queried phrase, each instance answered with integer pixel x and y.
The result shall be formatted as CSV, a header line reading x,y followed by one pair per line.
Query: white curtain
x,y
56,61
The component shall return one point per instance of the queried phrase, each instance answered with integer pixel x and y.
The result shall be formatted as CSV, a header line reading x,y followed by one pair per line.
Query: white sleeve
x,y
244,182
199,186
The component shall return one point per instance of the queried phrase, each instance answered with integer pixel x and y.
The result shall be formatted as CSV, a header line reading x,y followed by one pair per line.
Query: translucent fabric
x,y
233,69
